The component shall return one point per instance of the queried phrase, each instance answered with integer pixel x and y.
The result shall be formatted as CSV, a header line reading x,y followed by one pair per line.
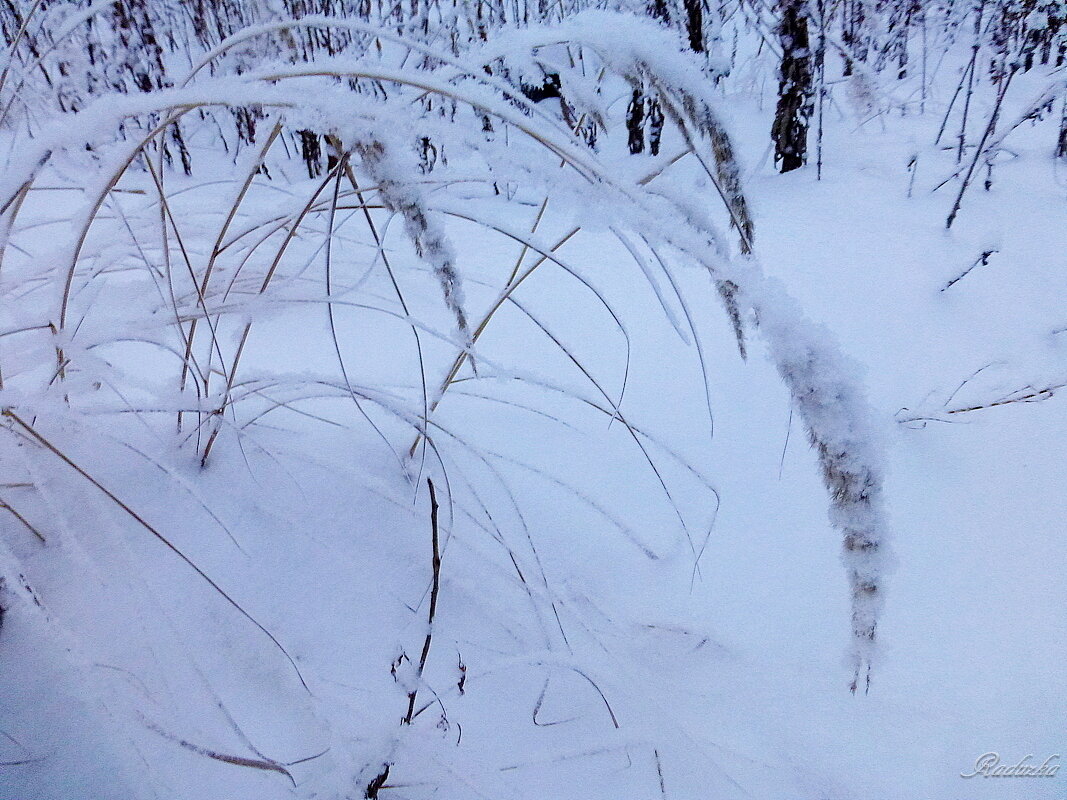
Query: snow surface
x,y
581,648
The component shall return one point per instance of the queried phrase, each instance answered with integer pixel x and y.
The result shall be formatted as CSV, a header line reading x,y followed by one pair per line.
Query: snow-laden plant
x,y
190,270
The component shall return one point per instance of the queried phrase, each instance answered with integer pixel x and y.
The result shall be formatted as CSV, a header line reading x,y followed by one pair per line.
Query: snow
x,y
638,598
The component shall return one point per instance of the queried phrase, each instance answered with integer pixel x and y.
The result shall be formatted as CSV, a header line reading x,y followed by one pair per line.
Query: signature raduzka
x,y
989,765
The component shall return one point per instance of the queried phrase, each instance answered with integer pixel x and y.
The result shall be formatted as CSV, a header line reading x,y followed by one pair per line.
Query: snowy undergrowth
x,y
225,393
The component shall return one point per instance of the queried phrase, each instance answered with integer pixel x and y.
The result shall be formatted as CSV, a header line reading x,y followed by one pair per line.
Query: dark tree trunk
x,y
1061,147
635,123
853,34
657,9
790,129
311,152
694,24
655,126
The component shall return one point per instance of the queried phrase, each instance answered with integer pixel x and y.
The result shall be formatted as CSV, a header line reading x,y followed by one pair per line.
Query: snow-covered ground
x,y
586,644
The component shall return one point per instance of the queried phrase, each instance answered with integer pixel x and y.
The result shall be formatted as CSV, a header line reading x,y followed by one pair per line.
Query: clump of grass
x,y
200,276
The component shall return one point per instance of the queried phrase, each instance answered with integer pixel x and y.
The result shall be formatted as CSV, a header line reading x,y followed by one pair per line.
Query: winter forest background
x,y
444,398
